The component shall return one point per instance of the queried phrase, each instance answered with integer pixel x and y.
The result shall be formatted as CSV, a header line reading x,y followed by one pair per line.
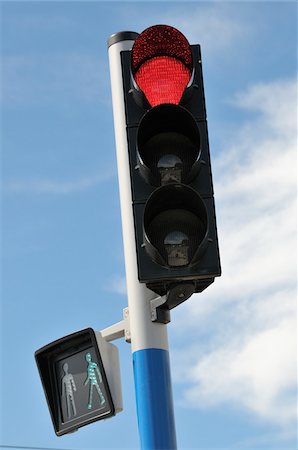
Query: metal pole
x,y
149,340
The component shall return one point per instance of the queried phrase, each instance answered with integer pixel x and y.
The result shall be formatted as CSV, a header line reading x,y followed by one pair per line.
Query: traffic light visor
x,y
161,64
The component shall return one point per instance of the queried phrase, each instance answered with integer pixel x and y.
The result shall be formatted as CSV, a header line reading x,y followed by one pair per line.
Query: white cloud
x,y
248,317
258,375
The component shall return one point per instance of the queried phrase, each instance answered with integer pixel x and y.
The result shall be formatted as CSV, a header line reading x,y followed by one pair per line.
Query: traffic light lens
x,y
176,234
163,80
175,226
168,144
175,148
162,64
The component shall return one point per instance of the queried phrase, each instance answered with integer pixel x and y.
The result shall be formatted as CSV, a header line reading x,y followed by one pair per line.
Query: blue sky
x,y
233,347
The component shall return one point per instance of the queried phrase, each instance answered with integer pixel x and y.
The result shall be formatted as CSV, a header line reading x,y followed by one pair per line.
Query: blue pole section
x,y
149,341
154,399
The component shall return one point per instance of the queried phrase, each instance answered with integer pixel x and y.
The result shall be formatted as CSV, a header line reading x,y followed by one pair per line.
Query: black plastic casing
x,y
156,276
47,358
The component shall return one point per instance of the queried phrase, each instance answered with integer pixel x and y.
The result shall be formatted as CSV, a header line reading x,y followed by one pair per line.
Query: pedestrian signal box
x,y
81,380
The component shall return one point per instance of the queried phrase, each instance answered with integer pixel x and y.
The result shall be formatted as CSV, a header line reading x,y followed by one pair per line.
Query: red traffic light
x,y
162,64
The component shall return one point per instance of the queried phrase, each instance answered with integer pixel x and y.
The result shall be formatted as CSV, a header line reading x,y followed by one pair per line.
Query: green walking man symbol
x,y
92,370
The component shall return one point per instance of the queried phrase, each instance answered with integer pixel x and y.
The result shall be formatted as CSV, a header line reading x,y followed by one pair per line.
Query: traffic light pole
x,y
149,339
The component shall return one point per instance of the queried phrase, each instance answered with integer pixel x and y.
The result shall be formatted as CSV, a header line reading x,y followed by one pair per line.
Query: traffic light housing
x,y
170,169
81,379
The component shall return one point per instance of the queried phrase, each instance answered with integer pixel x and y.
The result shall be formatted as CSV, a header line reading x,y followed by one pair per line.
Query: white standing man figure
x,y
92,370
68,389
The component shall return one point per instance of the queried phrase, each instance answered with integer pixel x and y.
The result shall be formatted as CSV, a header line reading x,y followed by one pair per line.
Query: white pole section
x,y
148,339
144,333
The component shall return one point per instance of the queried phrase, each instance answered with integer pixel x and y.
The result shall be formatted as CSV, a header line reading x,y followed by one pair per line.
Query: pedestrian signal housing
x,y
169,163
81,380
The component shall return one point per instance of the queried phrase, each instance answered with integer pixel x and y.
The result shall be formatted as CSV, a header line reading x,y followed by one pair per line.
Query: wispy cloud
x,y
246,357
37,22
118,285
34,80
50,186
212,25
215,25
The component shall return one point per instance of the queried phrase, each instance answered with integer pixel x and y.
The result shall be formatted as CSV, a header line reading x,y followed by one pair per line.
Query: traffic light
x,y
81,380
170,170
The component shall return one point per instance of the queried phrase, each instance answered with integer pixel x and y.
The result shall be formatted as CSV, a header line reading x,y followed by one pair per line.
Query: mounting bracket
x,y
177,294
159,311
119,329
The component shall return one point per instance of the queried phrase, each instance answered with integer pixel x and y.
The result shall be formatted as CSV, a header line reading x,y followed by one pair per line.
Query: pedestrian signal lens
x,y
162,64
81,385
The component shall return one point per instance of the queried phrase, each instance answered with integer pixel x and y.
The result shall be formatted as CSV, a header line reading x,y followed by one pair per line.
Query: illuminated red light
x,y
163,80
161,64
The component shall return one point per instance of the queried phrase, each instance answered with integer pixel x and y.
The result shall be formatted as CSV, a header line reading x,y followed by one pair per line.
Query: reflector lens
x,y
163,80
